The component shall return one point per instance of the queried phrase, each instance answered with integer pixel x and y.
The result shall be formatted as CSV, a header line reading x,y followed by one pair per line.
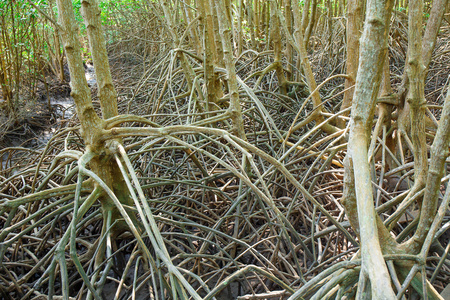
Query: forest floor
x,y
37,121
42,112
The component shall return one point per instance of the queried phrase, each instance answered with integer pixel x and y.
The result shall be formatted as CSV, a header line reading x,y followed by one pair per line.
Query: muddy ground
x,y
40,113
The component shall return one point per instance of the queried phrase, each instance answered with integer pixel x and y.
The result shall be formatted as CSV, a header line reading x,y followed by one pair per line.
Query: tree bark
x,y
91,124
306,66
438,155
416,96
235,107
432,30
289,50
276,41
373,51
106,91
212,82
354,24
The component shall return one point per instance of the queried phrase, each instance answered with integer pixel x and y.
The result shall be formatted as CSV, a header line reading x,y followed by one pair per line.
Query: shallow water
x,y
64,108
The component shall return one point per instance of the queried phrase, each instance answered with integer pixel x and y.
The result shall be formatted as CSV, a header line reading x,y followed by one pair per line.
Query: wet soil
x,y
39,116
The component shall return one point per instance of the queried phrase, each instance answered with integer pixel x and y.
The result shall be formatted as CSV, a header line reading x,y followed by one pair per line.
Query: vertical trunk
x,y
239,28
16,49
235,107
194,38
257,18
229,14
311,23
250,22
276,41
335,8
429,41
91,124
417,103
438,154
306,66
265,23
416,97
59,63
366,92
106,91
90,121
432,30
354,23
7,93
305,14
220,56
330,26
212,82
289,50
341,7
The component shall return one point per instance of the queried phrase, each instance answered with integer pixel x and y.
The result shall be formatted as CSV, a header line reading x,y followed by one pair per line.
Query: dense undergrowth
x,y
233,214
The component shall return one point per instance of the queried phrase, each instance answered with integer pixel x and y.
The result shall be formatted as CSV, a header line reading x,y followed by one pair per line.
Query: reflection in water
x,y
63,107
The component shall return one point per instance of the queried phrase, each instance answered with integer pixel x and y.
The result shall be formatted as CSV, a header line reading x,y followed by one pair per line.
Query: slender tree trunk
x,y
366,92
251,23
91,123
416,96
289,50
354,24
235,107
429,41
6,91
212,82
239,29
185,64
312,85
311,23
220,55
59,57
432,30
194,39
438,154
330,27
305,14
276,41
423,176
96,35
257,18
265,15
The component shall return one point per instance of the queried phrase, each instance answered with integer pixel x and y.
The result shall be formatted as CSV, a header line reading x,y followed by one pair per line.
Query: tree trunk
x,y
276,41
212,82
306,66
235,106
354,24
366,92
91,124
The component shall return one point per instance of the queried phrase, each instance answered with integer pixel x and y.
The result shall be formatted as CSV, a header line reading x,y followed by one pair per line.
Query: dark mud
x,y
39,116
